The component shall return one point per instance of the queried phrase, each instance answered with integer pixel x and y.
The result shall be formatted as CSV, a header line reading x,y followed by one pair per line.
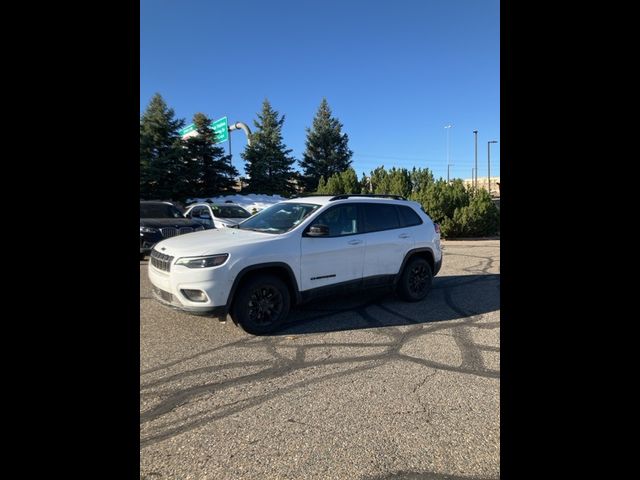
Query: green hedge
x,y
461,211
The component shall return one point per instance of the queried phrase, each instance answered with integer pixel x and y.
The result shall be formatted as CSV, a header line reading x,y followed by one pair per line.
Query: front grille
x,y
169,231
173,231
161,261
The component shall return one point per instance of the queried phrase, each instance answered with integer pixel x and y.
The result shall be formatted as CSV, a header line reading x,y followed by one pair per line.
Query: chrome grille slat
x,y
169,232
161,261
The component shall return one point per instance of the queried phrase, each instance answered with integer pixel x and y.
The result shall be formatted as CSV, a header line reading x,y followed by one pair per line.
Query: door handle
x,y
354,242
403,235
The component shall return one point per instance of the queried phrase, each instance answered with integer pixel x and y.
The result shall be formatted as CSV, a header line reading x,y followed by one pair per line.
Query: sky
x,y
395,73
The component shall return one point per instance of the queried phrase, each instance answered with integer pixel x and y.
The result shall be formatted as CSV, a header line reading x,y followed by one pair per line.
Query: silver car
x,y
217,215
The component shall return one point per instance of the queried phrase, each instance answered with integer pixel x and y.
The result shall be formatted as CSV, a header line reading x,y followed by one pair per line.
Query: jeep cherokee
x,y
297,250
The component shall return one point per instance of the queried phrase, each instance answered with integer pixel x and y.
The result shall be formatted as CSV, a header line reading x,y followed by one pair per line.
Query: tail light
x,y
437,227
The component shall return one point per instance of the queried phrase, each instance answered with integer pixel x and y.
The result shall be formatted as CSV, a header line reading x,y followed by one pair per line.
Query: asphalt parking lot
x,y
362,387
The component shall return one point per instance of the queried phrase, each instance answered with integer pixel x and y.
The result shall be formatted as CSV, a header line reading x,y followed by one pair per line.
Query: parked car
x,y
297,250
160,220
217,215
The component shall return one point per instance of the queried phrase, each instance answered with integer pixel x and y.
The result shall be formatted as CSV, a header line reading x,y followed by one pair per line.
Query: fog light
x,y
195,295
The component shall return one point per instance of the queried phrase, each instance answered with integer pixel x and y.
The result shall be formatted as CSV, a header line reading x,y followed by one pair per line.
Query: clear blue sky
x,y
394,72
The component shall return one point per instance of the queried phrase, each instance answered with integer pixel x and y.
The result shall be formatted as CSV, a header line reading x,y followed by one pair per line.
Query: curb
x,y
463,239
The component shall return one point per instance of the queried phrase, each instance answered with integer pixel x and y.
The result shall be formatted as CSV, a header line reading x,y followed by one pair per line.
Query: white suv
x,y
295,251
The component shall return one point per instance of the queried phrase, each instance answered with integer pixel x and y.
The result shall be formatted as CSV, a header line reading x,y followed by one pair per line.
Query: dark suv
x,y
160,220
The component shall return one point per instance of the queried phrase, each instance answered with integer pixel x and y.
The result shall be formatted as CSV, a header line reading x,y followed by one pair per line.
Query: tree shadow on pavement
x,y
451,298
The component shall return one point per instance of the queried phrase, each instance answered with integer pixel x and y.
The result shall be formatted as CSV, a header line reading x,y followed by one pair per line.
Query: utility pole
x,y
448,129
475,134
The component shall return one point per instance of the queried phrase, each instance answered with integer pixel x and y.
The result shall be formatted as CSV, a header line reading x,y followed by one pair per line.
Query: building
x,y
482,183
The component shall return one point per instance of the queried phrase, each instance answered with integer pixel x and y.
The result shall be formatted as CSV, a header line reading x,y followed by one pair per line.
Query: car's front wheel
x,y
261,305
415,281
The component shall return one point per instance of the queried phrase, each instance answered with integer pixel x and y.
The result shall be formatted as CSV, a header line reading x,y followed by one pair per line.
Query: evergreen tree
x,y
160,150
322,186
207,172
379,180
327,150
421,178
268,163
399,182
340,183
364,184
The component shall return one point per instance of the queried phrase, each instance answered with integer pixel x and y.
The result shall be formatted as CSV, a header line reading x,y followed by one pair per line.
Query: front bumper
x,y
169,286
167,299
148,240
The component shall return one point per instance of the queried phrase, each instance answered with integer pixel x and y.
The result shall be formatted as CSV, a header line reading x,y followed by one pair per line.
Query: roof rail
x,y
372,195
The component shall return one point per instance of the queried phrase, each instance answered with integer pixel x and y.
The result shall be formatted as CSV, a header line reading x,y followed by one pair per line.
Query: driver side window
x,y
341,220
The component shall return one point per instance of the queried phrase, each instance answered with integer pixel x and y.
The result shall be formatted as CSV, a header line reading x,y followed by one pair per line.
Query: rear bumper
x,y
437,266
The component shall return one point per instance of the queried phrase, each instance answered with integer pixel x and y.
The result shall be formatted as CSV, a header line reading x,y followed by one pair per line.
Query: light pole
x,y
448,128
489,164
475,134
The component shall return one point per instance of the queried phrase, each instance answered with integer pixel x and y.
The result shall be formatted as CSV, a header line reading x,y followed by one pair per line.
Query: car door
x,y
387,242
337,257
194,214
202,215
206,217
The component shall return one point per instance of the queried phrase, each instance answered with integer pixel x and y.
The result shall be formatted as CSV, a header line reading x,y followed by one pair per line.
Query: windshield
x,y
279,218
230,211
159,210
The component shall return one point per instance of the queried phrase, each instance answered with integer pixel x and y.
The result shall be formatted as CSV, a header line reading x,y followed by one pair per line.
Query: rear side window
x,y
408,217
379,217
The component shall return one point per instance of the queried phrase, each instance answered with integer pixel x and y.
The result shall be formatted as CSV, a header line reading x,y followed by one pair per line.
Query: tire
x,y
142,256
273,296
415,281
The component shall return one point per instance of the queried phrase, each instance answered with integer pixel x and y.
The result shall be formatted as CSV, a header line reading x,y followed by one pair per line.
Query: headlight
x,y
148,229
203,262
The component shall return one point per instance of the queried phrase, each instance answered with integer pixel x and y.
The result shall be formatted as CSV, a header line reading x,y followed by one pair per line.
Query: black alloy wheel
x,y
415,282
261,305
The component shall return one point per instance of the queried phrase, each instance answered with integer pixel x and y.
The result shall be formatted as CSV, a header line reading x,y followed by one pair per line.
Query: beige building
x,y
482,183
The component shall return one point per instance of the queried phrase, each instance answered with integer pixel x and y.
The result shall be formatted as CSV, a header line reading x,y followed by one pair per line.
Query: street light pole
x,y
475,134
489,164
448,128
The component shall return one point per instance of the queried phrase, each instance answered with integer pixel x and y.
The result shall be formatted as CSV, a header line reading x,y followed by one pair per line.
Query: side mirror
x,y
318,231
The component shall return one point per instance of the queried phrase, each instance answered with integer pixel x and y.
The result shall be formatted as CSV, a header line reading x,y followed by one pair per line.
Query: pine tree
x,y
160,150
268,163
207,172
327,150
340,183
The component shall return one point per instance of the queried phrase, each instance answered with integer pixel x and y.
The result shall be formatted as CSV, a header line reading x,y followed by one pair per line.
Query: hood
x,y
210,242
230,221
168,222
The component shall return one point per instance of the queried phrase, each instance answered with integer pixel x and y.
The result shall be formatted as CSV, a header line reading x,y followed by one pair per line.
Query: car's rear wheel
x,y
261,304
415,281
142,256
